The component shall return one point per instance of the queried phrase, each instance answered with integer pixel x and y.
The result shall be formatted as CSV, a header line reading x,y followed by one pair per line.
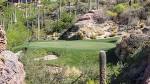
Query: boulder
x,y
11,69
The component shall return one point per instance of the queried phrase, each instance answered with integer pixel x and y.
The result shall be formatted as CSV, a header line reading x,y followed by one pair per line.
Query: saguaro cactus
x,y
97,4
77,7
60,8
89,4
102,57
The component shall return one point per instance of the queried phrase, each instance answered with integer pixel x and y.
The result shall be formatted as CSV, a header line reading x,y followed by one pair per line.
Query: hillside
x,y
59,41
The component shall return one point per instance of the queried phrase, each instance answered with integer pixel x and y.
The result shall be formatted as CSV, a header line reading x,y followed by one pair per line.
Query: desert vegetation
x,y
59,41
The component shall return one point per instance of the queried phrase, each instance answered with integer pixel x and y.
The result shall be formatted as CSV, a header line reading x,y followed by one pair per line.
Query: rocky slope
x,y
92,25
134,49
11,69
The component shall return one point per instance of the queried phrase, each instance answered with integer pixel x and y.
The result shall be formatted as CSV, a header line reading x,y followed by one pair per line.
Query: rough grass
x,y
70,52
81,54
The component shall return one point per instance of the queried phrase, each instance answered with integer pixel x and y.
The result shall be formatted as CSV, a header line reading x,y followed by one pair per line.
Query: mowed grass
x,y
79,45
73,53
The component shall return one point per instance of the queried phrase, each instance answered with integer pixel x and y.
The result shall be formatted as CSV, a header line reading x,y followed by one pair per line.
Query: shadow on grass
x,y
111,57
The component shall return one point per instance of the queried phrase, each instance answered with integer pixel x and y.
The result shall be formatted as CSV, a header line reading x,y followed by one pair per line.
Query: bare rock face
x,y
11,70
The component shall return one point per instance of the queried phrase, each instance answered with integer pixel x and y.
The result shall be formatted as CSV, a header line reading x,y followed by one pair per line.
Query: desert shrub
x,y
92,82
119,8
64,22
111,13
17,34
113,71
136,5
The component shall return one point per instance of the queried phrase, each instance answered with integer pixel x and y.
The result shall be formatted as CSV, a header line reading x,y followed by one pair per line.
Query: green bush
x,y
119,8
64,22
17,34
136,5
111,13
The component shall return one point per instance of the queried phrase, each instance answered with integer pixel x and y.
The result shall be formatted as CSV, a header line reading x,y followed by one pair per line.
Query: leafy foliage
x,y
17,34
119,8
64,22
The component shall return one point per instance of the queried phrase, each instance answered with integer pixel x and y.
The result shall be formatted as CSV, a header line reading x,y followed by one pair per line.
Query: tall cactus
x,y
38,23
15,16
69,4
102,57
60,8
77,7
26,12
89,4
97,4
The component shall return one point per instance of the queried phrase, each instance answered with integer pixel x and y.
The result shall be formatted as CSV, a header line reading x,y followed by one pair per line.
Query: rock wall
x,y
11,70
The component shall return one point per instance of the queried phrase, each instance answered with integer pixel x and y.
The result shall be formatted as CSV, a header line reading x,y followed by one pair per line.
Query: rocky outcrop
x,y
92,25
129,44
95,25
11,70
135,50
89,30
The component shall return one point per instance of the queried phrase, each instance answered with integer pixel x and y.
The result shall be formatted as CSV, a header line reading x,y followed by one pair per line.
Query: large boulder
x,y
11,69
